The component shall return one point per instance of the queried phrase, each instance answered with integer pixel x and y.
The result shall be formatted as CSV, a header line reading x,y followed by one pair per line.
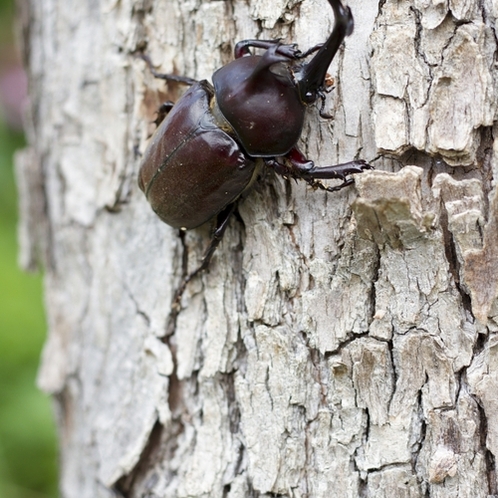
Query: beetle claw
x,y
316,184
364,165
290,51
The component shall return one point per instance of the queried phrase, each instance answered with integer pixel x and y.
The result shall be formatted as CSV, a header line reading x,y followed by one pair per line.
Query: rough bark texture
x,y
341,344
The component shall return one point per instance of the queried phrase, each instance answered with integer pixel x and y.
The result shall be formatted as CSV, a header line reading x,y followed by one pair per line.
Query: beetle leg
x,y
297,166
323,114
290,51
310,51
163,111
166,76
221,226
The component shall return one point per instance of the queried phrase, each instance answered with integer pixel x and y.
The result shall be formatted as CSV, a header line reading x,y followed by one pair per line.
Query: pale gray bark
x,y
341,344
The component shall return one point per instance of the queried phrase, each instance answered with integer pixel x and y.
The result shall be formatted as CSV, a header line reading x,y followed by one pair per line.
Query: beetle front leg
x,y
311,50
298,166
221,226
290,51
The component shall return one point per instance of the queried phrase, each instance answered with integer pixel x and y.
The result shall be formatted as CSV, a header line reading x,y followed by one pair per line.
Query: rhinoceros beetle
x,y
210,147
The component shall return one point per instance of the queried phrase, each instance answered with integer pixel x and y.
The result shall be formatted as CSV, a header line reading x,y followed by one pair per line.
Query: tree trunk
x,y
341,344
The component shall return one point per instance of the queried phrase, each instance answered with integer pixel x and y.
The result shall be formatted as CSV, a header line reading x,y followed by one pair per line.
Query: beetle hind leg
x,y
221,226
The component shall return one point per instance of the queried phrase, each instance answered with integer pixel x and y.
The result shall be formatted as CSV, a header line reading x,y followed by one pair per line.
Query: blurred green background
x,y
28,459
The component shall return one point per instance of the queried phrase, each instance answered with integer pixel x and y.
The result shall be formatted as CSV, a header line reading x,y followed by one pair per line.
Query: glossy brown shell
x,y
191,168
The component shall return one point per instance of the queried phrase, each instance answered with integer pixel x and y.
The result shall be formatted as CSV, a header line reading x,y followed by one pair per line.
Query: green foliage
x,y
27,439
6,15
28,459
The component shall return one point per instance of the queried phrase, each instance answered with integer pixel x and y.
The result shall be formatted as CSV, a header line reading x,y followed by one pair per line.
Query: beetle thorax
x,y
262,106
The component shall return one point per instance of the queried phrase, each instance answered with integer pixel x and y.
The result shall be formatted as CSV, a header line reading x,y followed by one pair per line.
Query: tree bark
x,y
341,344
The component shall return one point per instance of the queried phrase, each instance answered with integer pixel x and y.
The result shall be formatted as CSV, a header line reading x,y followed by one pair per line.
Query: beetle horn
x,y
268,59
311,76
